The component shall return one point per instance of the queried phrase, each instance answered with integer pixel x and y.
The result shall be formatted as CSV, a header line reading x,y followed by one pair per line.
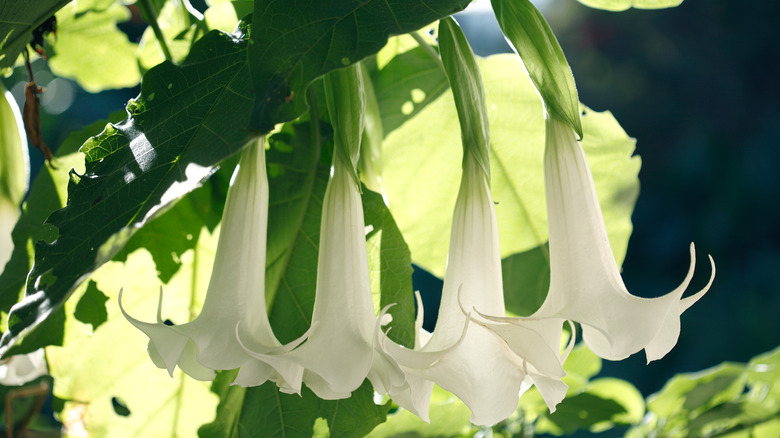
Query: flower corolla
x,y
486,369
235,299
585,283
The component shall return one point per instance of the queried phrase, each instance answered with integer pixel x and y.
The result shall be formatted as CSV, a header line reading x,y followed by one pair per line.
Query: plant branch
x,y
148,11
428,48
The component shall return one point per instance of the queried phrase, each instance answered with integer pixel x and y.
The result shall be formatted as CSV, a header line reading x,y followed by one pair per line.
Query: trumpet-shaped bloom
x,y
235,300
338,355
484,368
585,284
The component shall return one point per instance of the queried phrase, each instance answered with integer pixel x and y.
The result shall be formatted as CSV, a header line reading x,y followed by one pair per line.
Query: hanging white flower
x,y
585,283
235,300
338,355
486,369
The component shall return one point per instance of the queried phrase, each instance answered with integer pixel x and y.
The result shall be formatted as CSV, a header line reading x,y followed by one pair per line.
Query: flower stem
x,y
315,121
428,48
148,11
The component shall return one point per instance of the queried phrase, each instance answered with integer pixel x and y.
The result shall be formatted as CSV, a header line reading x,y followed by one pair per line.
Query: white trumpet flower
x,y
585,284
484,368
235,300
339,353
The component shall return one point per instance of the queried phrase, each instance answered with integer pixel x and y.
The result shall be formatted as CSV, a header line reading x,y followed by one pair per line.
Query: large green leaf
x,y
596,405
297,177
263,411
406,84
696,393
18,19
187,119
391,268
104,375
449,418
727,400
622,5
326,35
91,49
47,194
516,156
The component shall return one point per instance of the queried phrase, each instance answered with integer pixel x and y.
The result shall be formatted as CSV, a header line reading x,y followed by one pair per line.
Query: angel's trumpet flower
x,y
235,300
585,283
484,368
338,355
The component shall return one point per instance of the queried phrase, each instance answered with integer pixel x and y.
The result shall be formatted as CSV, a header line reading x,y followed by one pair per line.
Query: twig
x,y
148,10
427,47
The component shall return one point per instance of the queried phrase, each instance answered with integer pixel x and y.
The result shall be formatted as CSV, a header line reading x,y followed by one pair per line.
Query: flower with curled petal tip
x,y
585,284
235,300
485,369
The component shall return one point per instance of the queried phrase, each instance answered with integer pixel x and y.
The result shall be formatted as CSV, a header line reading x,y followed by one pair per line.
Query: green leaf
x,y
45,197
370,160
467,90
391,268
138,168
263,411
91,308
623,393
622,5
411,80
174,232
578,412
534,41
17,21
89,47
582,362
692,394
297,180
526,279
231,402
764,372
102,373
327,35
449,418
517,182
